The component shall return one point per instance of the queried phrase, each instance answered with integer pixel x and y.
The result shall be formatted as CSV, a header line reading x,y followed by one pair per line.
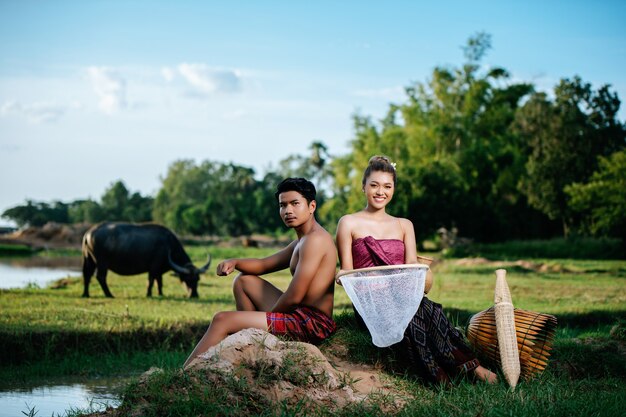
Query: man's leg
x,y
254,294
226,323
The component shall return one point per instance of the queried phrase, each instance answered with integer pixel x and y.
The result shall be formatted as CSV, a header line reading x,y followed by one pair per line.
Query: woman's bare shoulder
x,y
405,222
348,220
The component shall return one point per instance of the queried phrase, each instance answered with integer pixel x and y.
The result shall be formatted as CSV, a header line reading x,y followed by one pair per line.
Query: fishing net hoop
x,y
386,297
344,272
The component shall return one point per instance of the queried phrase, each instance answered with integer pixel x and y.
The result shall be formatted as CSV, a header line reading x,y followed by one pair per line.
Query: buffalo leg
x,y
102,279
159,280
89,267
150,285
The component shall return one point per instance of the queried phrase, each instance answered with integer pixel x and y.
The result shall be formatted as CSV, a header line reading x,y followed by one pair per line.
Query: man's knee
x,y
242,281
220,319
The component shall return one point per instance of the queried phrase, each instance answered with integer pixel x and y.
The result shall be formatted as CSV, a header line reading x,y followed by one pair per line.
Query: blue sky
x,y
95,91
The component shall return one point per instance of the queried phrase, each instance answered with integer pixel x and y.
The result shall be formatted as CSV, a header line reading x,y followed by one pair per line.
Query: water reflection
x,y
48,400
39,271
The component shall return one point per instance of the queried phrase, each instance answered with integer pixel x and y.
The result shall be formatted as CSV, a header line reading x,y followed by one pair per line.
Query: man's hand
x,y
226,267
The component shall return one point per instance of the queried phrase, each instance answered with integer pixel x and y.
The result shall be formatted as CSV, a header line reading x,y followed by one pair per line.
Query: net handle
x,y
379,268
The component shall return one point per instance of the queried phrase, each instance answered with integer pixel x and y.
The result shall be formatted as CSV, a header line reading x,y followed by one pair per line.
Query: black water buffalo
x,y
129,249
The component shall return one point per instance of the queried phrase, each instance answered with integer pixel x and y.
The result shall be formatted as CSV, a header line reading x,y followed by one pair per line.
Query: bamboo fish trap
x,y
535,335
505,330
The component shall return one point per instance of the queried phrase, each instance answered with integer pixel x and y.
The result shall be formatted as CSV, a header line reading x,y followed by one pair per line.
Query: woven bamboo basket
x,y
535,335
429,275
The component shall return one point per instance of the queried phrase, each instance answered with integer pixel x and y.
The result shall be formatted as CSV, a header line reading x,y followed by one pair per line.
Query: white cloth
x,y
387,300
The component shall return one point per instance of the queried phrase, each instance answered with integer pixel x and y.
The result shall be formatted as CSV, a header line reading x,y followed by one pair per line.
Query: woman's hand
x,y
341,271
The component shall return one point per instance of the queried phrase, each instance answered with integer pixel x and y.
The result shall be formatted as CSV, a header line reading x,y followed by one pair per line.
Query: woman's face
x,y
378,189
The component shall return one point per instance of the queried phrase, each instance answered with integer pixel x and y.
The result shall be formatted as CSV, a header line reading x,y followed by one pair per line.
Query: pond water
x,y
54,397
38,271
59,397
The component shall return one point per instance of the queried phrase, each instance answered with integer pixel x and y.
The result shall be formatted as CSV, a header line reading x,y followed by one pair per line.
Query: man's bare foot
x,y
486,375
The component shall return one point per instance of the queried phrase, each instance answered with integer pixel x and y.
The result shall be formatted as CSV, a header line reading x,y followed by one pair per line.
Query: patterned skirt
x,y
432,348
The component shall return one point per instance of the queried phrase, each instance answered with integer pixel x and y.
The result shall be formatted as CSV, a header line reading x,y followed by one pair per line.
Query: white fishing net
x,y
387,298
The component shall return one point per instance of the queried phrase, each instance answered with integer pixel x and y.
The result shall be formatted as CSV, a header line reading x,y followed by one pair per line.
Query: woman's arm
x,y
410,247
410,254
344,243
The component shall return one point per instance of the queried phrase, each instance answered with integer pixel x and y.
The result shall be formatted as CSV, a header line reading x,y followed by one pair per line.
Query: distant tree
x,y
266,213
86,211
116,205
565,137
179,203
210,198
314,166
38,213
138,208
602,200
114,201
230,204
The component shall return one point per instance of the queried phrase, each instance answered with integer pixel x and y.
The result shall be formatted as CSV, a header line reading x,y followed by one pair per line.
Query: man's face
x,y
294,209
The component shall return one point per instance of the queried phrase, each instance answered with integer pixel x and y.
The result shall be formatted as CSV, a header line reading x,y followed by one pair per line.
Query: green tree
x,y
209,198
602,200
86,211
458,161
118,204
565,137
184,189
138,208
114,201
38,213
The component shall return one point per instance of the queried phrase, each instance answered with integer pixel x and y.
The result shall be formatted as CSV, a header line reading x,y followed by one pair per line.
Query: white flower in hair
x,y
393,164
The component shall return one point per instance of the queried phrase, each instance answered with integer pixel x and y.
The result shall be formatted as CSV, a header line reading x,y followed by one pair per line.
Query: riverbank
x,y
50,332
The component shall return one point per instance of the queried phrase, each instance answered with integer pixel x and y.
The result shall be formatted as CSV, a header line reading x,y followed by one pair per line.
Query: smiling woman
x,y
371,237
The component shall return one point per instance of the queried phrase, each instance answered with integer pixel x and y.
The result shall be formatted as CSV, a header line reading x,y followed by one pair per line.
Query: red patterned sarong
x,y
304,324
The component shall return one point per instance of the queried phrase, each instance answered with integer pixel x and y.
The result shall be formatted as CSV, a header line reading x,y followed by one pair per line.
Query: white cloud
x,y
168,73
207,80
110,88
235,114
37,113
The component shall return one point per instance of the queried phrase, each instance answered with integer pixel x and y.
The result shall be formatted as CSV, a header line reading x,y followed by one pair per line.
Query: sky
x,y
92,92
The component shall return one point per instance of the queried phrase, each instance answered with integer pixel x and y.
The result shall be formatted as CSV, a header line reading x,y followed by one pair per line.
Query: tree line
x,y
474,150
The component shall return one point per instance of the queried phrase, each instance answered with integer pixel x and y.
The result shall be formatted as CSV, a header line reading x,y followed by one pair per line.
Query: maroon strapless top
x,y
367,252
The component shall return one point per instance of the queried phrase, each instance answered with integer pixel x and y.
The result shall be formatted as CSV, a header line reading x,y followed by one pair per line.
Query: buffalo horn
x,y
205,267
175,267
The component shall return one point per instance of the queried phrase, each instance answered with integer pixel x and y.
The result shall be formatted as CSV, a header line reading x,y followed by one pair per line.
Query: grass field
x,y
52,332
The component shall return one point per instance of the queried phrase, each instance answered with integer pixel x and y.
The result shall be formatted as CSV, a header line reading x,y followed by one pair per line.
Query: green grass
x,y
52,332
7,250
573,248
46,323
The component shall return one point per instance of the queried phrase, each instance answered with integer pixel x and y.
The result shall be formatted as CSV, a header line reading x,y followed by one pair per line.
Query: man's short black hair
x,y
301,185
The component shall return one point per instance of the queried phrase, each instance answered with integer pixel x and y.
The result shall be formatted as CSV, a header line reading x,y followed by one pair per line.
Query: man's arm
x,y
255,266
311,253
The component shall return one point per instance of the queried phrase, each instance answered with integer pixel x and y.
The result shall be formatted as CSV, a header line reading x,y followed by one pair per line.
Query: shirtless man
x,y
304,311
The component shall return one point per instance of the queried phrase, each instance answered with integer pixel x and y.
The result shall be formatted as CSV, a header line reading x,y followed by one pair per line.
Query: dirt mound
x,y
520,265
273,372
293,370
51,235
